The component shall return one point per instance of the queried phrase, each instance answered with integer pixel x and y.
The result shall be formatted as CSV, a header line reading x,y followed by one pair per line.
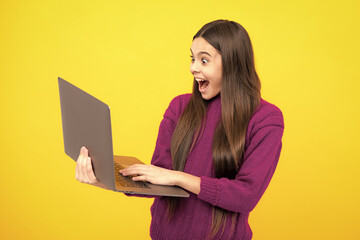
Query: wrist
x,y
187,181
177,178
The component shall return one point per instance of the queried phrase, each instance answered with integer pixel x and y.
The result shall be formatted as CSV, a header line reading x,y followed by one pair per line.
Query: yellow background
x,y
134,55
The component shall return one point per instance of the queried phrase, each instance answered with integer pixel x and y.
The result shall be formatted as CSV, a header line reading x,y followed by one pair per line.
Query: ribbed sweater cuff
x,y
209,190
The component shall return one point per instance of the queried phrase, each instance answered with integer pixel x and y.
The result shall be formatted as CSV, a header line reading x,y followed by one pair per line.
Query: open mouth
x,y
202,84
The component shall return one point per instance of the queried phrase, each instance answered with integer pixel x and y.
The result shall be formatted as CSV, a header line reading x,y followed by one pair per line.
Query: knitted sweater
x,y
192,219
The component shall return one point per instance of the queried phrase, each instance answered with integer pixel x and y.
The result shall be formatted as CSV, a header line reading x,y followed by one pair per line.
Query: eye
x,y
192,59
204,60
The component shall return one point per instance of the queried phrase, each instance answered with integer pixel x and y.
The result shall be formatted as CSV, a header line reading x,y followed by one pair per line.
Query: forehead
x,y
200,45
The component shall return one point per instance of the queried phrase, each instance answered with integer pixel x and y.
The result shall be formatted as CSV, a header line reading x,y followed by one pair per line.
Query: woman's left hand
x,y
151,173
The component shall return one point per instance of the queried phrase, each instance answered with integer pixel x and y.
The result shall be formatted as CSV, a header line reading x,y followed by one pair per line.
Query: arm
x,y
238,195
241,194
162,176
260,160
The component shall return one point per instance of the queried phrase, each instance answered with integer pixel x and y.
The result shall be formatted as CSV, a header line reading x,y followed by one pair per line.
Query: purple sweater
x,y
192,219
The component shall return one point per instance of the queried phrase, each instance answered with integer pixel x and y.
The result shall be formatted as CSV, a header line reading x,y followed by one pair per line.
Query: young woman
x,y
221,143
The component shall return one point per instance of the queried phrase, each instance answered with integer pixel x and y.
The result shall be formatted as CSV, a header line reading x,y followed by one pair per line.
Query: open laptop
x,y
86,122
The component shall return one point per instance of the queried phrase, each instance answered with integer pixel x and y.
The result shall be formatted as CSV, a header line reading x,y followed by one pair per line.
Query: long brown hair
x,y
240,95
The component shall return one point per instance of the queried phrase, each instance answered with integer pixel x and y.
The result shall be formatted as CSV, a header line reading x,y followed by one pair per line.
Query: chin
x,y
207,96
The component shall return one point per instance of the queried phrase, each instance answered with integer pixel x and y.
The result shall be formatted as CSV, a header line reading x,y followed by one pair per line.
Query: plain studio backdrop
x,y
134,55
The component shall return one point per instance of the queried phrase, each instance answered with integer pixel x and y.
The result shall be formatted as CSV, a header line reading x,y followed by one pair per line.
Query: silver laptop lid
x,y
86,122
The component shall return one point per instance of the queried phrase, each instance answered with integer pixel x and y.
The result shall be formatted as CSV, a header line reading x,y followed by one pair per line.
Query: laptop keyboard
x,y
127,181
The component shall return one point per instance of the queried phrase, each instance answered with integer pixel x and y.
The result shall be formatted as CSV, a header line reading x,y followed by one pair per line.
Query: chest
x,y
199,161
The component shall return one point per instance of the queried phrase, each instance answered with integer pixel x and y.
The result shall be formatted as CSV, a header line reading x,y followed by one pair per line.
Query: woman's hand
x,y
163,176
84,171
151,173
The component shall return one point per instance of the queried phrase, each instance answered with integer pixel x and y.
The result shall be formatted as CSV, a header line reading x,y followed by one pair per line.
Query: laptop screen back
x,y
86,122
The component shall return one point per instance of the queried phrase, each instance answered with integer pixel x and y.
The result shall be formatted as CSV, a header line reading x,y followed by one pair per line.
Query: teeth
x,y
200,80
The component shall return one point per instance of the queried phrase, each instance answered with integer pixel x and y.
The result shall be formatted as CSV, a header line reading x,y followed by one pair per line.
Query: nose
x,y
194,68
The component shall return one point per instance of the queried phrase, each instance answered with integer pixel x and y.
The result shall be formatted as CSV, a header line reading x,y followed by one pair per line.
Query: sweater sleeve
x,y
260,160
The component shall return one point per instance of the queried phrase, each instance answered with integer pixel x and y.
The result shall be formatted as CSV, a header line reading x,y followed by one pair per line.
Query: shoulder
x,y
180,101
266,115
177,106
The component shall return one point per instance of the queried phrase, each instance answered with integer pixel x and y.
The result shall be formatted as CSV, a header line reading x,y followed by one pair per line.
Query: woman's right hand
x,y
84,171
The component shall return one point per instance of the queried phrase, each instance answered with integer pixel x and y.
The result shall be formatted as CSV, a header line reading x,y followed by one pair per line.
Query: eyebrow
x,y
202,52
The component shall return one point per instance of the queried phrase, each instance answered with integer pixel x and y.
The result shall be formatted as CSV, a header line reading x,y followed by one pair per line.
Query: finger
x,y
90,172
143,178
79,168
136,168
84,164
85,151
84,167
132,171
82,151
78,176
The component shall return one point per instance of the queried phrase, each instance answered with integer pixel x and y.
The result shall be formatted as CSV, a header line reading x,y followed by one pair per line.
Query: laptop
x,y
86,122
